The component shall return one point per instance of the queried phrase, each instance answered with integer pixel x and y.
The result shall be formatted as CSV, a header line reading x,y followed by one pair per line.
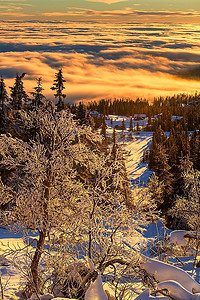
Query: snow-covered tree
x,y
187,206
42,184
156,188
62,186
108,235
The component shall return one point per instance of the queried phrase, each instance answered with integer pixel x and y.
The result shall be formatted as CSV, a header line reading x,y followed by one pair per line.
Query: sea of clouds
x,y
102,60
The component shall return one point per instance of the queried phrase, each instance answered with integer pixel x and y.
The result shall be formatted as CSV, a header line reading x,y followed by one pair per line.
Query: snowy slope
x,y
137,170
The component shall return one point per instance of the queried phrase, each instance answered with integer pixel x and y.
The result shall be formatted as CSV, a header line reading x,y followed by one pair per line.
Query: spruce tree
x,y
58,86
3,94
163,171
81,113
38,95
138,128
123,127
172,148
18,95
131,125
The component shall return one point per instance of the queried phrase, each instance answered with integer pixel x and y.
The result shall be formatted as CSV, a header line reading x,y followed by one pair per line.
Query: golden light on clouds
x,y
102,60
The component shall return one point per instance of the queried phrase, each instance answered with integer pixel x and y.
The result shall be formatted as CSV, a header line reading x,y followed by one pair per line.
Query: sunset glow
x,y
107,48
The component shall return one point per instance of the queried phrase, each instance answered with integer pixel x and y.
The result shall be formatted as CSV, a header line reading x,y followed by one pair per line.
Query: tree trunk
x,y
36,259
42,233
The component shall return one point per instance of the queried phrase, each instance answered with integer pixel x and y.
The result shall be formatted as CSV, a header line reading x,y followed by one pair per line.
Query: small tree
x,y
58,86
42,184
38,95
3,94
138,128
131,125
18,95
156,188
123,127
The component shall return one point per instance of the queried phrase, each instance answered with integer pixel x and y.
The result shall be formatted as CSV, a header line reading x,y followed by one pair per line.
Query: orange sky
x,y
118,10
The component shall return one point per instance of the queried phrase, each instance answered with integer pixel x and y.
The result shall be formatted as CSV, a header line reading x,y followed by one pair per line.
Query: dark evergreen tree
x,y
58,86
111,122
123,127
138,128
172,148
3,95
162,169
81,112
38,95
18,95
131,125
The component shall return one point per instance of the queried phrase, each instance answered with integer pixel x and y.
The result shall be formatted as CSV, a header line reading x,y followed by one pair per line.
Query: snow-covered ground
x,y
10,275
137,170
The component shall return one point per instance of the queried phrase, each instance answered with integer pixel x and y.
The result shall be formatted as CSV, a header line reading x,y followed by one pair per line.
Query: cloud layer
x,y
101,60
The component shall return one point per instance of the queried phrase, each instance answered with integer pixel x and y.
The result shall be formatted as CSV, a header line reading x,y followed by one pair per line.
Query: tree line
x,y
160,112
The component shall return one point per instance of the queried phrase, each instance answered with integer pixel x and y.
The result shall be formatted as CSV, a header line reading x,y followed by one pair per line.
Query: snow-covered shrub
x,y
187,207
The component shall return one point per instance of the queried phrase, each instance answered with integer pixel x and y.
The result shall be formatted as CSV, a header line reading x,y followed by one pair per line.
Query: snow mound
x,y
177,237
147,296
163,272
96,291
177,291
174,289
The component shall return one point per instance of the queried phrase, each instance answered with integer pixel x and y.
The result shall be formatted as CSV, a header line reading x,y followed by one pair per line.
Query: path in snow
x,y
137,170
